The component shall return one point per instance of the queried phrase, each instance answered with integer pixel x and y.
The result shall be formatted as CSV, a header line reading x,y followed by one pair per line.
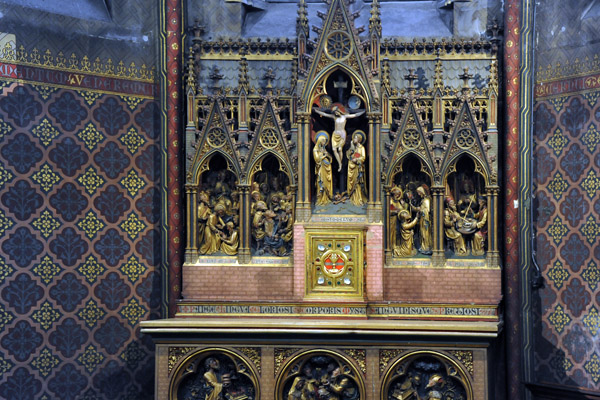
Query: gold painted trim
x,y
249,57
75,88
179,326
76,64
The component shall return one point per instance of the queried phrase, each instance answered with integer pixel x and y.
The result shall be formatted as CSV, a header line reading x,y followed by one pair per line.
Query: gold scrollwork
x,y
253,353
385,356
281,355
175,354
360,356
466,358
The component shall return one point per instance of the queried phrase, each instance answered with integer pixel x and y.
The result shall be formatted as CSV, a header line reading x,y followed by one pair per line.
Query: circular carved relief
x,y
465,139
216,137
215,374
338,45
426,375
269,139
320,374
411,138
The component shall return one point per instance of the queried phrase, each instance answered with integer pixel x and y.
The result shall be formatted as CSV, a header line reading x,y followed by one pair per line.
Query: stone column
x,y
191,248
493,254
303,202
374,159
437,197
244,255
388,246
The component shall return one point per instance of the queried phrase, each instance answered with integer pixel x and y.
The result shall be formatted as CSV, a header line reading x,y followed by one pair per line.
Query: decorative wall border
x,y
75,63
567,86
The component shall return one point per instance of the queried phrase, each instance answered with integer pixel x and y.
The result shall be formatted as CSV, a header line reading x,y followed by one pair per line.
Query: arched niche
x,y
218,208
426,375
214,373
320,374
271,207
465,208
338,93
410,227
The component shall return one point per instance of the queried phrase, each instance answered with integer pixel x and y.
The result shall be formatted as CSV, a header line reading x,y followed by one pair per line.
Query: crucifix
x,y
340,85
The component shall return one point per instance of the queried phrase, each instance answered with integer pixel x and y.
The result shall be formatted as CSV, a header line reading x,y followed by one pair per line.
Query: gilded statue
x,y
397,204
231,240
406,247
303,387
356,170
480,235
214,379
214,225
451,218
203,213
424,210
322,159
338,139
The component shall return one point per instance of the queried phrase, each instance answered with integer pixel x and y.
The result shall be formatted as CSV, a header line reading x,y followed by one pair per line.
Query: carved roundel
x,y
338,45
465,139
268,138
216,137
320,374
411,139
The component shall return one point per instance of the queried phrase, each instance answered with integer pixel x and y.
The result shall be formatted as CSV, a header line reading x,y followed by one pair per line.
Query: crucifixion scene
x,y
338,131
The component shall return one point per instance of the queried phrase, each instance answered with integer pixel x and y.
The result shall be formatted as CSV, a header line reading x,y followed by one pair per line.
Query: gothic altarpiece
x,y
359,134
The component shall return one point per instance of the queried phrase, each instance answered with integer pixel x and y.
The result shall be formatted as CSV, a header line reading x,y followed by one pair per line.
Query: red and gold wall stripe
x,y
511,184
170,84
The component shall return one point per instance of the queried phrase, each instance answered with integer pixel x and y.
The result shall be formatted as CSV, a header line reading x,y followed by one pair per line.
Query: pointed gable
x,y
269,138
410,139
215,138
339,45
467,139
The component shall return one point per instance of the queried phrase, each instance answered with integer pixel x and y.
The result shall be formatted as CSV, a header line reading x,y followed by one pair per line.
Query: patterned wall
x,y
567,190
568,226
79,215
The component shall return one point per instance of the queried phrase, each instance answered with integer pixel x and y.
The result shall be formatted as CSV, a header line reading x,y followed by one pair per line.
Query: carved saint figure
x,y
451,217
214,224
303,387
203,213
481,234
397,204
323,169
406,247
231,241
213,378
338,139
356,170
424,210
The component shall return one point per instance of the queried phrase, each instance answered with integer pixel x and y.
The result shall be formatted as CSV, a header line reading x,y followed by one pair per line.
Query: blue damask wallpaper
x,y
79,217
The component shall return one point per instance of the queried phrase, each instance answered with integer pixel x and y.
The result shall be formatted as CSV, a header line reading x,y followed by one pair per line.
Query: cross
x,y
269,76
465,78
410,78
340,85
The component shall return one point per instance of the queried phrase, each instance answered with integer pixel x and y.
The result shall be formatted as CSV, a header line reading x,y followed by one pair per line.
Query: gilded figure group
x,y
218,216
